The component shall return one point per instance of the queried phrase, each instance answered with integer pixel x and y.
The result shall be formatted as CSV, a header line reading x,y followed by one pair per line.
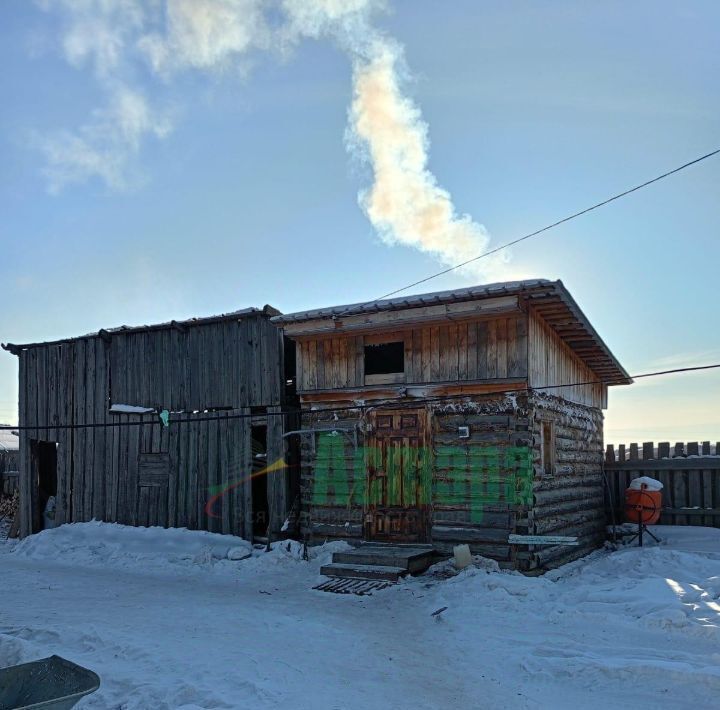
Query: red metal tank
x,y
643,505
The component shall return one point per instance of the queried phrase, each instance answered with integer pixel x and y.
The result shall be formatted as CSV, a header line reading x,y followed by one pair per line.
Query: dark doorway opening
x,y
290,363
260,507
43,456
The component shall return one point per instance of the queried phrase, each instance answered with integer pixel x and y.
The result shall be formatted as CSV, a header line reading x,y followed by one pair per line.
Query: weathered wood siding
x,y
9,462
552,362
454,352
228,364
146,473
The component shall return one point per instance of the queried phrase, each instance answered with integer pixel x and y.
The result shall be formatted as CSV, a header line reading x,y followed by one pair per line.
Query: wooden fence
x,y
9,464
690,474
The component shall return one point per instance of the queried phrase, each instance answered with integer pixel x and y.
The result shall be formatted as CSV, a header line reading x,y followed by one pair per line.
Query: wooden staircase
x,y
377,561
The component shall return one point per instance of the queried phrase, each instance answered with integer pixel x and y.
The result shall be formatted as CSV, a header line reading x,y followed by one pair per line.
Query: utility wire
x,y
429,278
220,416
543,229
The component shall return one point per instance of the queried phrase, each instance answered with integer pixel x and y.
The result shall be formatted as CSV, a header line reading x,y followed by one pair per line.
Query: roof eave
x,y
106,333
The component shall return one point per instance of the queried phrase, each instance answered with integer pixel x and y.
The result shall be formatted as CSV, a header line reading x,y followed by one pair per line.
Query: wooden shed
x,y
98,444
465,416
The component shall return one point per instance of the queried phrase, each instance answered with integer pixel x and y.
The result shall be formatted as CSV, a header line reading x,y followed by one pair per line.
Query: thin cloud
x,y
123,38
104,146
205,34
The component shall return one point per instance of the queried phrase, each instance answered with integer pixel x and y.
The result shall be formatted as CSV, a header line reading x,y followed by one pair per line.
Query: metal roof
x,y
549,298
266,310
415,301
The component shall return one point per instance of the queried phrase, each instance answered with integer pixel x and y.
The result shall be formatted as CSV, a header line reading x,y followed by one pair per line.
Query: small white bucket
x,y
463,558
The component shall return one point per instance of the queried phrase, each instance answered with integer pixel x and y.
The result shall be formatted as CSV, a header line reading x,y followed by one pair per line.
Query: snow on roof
x,y
415,301
266,310
8,440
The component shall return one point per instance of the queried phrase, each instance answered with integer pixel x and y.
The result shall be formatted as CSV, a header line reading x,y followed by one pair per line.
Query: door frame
x,y
422,510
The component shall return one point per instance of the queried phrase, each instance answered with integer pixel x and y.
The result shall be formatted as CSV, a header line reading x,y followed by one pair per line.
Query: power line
x,y
544,229
424,280
676,370
219,416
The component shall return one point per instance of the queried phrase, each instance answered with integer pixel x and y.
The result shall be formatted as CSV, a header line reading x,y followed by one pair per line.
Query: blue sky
x,y
534,110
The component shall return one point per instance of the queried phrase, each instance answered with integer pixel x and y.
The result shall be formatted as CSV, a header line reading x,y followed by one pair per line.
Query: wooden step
x,y
355,571
411,559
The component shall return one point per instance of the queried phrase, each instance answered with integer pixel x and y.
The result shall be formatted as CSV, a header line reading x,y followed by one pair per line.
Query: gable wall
x,y
552,362
453,352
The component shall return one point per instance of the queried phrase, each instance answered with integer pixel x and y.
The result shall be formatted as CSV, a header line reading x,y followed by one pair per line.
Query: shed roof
x,y
266,310
549,298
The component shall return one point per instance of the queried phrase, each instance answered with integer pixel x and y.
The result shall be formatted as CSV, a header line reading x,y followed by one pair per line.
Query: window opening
x,y
385,358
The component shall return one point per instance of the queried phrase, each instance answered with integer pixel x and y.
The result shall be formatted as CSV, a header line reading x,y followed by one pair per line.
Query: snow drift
x,y
169,622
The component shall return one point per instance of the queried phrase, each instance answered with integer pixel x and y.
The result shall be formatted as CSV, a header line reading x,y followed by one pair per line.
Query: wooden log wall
x,y
477,483
689,472
482,485
147,473
461,351
552,362
569,499
335,512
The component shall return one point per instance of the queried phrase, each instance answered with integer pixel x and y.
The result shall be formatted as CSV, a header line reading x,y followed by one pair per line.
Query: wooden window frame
x,y
548,450
387,378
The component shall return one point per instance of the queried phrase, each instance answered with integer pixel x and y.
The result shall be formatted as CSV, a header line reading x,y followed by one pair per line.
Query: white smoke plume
x,y
405,203
117,38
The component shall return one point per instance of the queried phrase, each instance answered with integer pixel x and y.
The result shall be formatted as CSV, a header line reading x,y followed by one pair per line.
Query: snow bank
x,y
645,617
98,543
114,545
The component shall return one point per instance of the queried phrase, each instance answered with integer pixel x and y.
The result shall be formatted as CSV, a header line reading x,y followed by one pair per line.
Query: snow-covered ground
x,y
168,621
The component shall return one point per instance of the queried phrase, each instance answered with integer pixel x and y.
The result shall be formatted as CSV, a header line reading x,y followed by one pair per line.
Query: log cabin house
x,y
456,417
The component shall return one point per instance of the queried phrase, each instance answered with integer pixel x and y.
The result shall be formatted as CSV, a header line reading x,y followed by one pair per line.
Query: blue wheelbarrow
x,y
48,684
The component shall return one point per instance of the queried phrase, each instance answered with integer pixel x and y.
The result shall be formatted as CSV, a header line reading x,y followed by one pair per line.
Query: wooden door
x,y
398,468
